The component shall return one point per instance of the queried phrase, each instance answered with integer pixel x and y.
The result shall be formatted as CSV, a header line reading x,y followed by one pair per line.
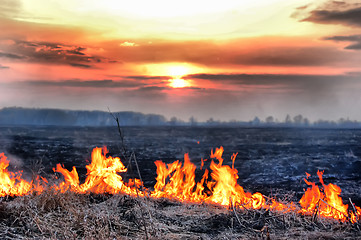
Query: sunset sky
x,y
229,59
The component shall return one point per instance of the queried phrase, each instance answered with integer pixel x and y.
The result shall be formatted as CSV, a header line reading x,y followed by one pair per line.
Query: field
x,y
271,161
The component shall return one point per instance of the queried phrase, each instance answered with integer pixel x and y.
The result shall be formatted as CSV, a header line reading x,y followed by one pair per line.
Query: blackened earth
x,y
272,161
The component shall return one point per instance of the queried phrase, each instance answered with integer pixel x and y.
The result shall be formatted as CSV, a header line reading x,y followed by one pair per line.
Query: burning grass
x,y
105,206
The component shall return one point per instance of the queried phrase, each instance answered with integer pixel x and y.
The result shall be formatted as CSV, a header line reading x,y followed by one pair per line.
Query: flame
x,y
102,176
11,184
218,185
326,202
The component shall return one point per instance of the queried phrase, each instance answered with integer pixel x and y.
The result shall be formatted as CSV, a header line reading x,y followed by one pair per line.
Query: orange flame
x,y
177,181
102,176
11,184
326,202
222,189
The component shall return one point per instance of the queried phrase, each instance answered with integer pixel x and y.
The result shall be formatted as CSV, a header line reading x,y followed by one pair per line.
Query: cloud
x,y
263,78
87,84
10,55
53,53
145,77
355,39
286,82
80,65
336,12
58,53
151,89
77,51
128,44
287,56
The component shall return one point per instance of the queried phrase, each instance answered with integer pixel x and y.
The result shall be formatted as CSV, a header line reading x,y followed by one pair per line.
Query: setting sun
x,y
178,83
177,72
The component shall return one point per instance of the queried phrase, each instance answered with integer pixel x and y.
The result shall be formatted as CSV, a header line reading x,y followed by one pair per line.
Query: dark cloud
x,y
145,77
159,89
87,84
147,81
355,39
287,56
80,65
77,51
53,53
282,81
151,89
10,55
261,79
337,12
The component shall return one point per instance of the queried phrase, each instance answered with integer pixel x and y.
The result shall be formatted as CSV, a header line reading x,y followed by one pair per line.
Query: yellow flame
x,y
177,181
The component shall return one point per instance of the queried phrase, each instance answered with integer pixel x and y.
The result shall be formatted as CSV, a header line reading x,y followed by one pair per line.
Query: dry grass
x,y
88,216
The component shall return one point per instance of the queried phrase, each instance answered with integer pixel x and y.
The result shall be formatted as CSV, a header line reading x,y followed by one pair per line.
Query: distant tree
x,y
256,121
298,120
154,119
288,120
233,122
306,122
325,123
269,120
210,121
173,121
341,121
193,121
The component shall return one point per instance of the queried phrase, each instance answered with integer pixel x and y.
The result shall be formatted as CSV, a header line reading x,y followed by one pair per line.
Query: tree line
x,y
60,117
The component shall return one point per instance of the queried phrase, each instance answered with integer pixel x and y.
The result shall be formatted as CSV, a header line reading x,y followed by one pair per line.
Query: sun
x,y
178,83
177,72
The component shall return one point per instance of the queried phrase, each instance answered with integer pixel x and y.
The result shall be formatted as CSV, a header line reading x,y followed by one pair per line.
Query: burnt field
x,y
272,161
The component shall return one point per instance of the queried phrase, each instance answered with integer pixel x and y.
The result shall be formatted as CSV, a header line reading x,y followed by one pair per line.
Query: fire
x,y
218,185
102,176
326,202
11,184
